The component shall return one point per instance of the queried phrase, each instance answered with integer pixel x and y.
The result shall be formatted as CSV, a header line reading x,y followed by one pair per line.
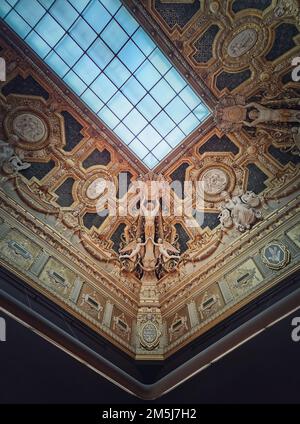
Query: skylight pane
x,y
189,124
135,121
148,107
147,75
175,137
126,21
12,2
189,97
69,50
159,60
177,110
79,4
102,53
17,23
201,112
38,44
138,148
104,88
83,34
162,93
64,13
92,100
114,36
57,64
4,8
120,105
117,72
50,30
149,137
133,90
163,123
150,160
108,117
175,80
86,69
111,5
143,41
161,150
46,3
131,56
124,133
31,12
75,82
96,15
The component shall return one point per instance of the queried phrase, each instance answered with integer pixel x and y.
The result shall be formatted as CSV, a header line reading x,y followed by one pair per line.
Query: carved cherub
x,y
135,247
15,164
163,248
240,211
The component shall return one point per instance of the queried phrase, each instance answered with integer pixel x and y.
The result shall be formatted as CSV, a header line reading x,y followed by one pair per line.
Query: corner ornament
x,y
241,211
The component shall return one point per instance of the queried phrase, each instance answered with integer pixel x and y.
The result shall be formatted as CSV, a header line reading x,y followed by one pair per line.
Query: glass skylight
x,y
102,53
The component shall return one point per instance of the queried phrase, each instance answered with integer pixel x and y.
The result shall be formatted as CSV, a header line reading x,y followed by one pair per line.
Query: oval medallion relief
x,y
149,333
29,127
242,42
96,188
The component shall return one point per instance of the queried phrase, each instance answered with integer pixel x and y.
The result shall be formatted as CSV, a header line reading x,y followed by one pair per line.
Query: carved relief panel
x,y
209,302
19,250
244,278
91,302
57,277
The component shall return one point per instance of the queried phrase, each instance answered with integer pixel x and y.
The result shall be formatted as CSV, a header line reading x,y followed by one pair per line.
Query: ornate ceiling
x,y
150,284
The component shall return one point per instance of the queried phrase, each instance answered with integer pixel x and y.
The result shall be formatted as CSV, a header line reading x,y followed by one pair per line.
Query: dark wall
x,y
266,369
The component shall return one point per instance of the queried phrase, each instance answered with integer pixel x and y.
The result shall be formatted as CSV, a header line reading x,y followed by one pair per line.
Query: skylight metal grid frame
x,y
136,92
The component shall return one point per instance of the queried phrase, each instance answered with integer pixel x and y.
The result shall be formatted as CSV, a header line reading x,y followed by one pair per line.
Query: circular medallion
x,y
29,127
96,188
275,255
242,42
215,181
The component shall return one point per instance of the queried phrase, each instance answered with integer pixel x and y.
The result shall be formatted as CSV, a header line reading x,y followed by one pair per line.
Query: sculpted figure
x,y
17,163
6,151
7,148
9,160
144,249
14,164
164,247
296,137
231,117
135,248
149,212
250,199
225,217
240,211
262,114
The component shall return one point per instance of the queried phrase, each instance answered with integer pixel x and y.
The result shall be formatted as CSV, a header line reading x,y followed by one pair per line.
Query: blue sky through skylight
x,y
101,52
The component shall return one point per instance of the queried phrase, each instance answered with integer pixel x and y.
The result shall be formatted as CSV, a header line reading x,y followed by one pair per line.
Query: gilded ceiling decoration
x,y
152,282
